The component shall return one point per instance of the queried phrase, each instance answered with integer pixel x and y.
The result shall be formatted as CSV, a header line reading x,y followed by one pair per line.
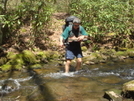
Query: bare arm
x,y
61,41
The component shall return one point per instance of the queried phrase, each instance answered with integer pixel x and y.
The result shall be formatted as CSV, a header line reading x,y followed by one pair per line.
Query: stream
x,y
50,83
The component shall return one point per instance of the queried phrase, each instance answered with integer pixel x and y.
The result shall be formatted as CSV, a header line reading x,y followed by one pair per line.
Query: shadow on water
x,y
42,88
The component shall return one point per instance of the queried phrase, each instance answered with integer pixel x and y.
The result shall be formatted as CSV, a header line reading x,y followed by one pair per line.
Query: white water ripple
x,y
60,75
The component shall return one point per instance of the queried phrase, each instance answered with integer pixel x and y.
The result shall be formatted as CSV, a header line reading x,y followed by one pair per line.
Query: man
x,y
76,33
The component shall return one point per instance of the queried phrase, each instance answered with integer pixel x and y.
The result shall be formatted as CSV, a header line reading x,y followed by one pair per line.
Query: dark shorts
x,y
72,54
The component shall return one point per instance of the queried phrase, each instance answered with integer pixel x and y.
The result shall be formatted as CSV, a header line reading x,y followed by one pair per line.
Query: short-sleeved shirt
x,y
73,46
65,34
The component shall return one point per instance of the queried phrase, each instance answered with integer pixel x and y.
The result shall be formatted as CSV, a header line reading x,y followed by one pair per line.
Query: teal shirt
x,y
65,34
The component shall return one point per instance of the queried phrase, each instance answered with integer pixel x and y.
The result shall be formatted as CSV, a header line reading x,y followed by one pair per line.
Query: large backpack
x,y
68,21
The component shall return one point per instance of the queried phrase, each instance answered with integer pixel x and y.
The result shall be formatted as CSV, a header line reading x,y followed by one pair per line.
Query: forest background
x,y
112,19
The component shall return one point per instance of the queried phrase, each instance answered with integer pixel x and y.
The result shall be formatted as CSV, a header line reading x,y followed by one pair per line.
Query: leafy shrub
x,y
34,13
100,18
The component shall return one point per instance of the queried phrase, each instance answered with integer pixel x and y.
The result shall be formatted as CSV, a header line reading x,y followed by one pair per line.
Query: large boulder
x,y
128,89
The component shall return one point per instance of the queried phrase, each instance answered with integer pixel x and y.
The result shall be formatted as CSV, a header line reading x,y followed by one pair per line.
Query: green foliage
x,y
100,18
34,13
62,5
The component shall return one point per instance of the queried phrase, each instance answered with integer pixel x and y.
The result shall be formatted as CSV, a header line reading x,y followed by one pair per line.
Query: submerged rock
x,y
113,95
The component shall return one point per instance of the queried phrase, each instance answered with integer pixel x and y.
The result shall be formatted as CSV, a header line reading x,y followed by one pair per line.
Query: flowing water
x,y
51,83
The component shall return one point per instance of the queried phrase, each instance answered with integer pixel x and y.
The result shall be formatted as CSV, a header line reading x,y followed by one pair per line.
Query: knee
x,y
79,60
68,61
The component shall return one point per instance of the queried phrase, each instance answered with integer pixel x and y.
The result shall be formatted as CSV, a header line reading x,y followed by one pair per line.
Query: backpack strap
x,y
66,40
70,27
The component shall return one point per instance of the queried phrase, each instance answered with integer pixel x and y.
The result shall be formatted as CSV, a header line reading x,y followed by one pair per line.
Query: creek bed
x,y
50,83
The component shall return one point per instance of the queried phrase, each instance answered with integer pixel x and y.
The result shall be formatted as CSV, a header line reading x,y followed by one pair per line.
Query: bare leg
x,y
67,66
78,65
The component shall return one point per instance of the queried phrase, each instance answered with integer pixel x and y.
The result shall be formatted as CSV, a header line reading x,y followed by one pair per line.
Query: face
x,y
76,25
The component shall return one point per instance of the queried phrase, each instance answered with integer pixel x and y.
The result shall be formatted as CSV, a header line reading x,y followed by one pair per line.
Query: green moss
x,y
84,48
11,55
128,86
41,55
110,34
17,67
6,67
55,55
107,52
121,53
130,52
23,30
17,61
36,66
29,57
51,55
3,60
97,55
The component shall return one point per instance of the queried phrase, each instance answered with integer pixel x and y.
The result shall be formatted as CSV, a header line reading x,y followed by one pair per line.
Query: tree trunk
x,y
1,34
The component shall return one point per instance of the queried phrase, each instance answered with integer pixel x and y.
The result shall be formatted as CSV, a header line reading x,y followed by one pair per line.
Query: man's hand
x,y
80,38
61,44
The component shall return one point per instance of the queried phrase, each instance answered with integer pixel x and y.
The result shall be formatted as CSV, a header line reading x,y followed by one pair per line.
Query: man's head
x,y
76,23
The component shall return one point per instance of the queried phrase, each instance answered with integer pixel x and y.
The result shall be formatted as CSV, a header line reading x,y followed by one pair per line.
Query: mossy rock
x,y
52,55
122,49
47,55
94,58
130,53
128,86
40,55
97,56
17,67
107,52
36,66
11,55
89,58
84,48
121,53
3,60
128,89
29,57
6,67
16,61
55,55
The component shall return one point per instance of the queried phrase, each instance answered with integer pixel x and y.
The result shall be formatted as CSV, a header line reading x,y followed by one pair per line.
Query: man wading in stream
x,y
71,38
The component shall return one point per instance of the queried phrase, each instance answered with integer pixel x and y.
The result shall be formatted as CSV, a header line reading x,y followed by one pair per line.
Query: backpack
x,y
68,21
